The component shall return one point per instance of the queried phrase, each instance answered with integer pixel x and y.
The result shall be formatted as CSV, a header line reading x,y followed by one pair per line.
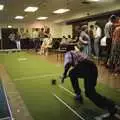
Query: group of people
x,y
93,42
112,39
77,64
39,39
112,32
88,39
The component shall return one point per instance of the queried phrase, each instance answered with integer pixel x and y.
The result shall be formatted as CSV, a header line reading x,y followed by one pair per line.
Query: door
x,y
7,43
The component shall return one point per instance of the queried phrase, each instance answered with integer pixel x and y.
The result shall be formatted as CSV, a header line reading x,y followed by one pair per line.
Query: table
x,y
62,49
60,54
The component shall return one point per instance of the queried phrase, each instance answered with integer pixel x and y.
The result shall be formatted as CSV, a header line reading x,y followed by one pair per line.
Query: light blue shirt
x,y
74,57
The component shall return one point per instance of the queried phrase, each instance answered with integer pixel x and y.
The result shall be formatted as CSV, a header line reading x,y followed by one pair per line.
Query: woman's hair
x,y
84,27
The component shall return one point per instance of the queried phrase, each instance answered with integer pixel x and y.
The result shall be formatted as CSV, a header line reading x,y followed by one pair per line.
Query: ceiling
x,y
46,7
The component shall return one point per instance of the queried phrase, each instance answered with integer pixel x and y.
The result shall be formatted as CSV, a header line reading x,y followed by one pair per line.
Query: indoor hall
x,y
59,59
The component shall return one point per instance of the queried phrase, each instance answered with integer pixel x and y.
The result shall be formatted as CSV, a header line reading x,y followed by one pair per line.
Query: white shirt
x,y
35,34
108,29
103,41
98,32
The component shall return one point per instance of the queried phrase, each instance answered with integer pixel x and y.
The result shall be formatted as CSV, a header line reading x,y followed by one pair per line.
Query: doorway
x,y
6,42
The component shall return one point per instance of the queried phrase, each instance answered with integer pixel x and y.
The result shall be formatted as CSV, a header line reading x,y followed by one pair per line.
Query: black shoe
x,y
79,98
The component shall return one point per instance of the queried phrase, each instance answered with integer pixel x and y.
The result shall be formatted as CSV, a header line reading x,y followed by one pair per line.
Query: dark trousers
x,y
108,43
92,46
88,71
36,44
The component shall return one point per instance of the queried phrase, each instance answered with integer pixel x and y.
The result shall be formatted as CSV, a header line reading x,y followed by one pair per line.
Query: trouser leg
x,y
96,98
96,45
92,47
18,45
74,81
108,42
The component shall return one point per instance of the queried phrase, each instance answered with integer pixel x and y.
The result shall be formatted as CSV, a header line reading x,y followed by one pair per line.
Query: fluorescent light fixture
x,y
19,17
42,18
93,0
60,11
1,7
9,26
31,9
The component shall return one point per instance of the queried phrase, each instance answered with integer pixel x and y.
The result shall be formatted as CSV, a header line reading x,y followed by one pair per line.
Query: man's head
x,y
91,27
69,36
42,29
36,29
113,18
64,36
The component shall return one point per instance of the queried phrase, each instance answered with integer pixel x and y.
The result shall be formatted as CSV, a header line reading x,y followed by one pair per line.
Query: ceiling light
x,y
93,0
31,9
9,26
42,18
1,7
19,17
60,11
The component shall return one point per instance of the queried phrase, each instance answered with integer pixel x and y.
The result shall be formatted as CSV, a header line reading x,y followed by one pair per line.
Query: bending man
x,y
84,68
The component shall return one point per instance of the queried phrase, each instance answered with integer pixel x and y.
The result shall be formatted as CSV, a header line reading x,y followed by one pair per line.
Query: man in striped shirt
x,y
83,67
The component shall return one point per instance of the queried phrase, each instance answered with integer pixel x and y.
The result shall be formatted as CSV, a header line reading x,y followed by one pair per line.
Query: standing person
x,y
85,40
27,39
12,39
17,40
98,34
47,32
114,61
35,37
91,35
41,35
108,34
84,68
47,43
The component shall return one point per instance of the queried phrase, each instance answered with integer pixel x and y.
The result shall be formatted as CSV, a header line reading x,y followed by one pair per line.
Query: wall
x,y
66,30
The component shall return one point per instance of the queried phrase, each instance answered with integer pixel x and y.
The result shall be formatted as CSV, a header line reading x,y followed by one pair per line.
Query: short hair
x,y
113,18
42,29
91,26
69,36
84,27
36,29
